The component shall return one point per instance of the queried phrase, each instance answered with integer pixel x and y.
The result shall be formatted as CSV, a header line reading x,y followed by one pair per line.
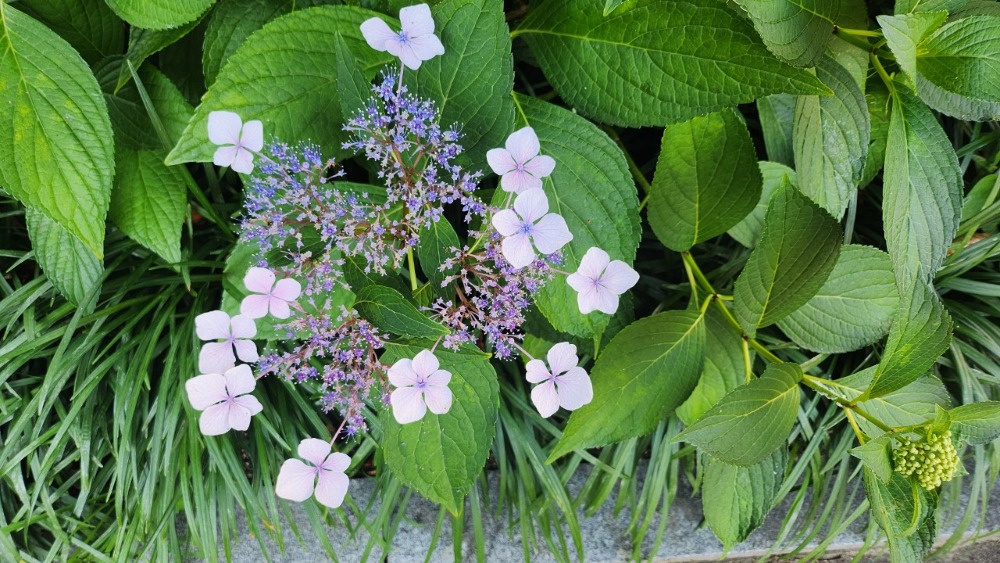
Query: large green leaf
x,y
773,175
831,136
723,370
148,202
877,100
917,6
472,81
735,499
706,180
130,118
799,30
642,375
388,310
56,147
661,62
853,309
285,75
159,14
592,189
920,333
876,456
797,250
68,263
144,43
441,455
776,113
752,421
230,23
437,244
976,423
88,25
905,512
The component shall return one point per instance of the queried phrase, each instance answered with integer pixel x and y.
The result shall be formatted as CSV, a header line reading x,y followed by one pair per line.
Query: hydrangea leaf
x,y
752,421
645,372
797,250
230,23
68,263
853,309
707,179
774,176
876,456
639,67
352,86
799,31
735,499
159,14
144,43
905,513
440,456
437,244
90,27
723,370
592,189
877,100
776,113
472,81
388,310
286,76
56,144
148,202
918,6
831,135
976,423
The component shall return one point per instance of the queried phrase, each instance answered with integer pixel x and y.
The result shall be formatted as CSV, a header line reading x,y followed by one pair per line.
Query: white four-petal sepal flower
x,y
519,165
267,295
324,475
234,334
561,384
237,140
530,226
599,281
224,400
420,386
413,44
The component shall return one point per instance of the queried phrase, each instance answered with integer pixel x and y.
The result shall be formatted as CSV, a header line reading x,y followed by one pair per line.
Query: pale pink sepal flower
x,y
413,44
599,281
217,357
224,400
519,165
420,385
529,226
561,384
323,476
238,141
268,295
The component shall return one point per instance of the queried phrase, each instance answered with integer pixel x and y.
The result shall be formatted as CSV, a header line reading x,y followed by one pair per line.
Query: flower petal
x,y
593,263
376,32
417,20
506,222
246,350
259,280
574,389
604,300
287,289
206,390
519,181
255,306
540,166
545,399
562,358
216,357
212,325
295,481
500,161
536,372
224,127
407,405
279,309
425,363
588,298
523,144
426,47
331,488
401,373
250,403
550,233
239,417
517,250
531,205
578,282
438,399
439,378
314,450
243,327
243,161
214,420
239,380
252,137
619,277
337,462
407,56
225,156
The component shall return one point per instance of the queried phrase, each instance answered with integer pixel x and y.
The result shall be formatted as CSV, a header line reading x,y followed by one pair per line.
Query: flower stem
x,y
816,384
413,269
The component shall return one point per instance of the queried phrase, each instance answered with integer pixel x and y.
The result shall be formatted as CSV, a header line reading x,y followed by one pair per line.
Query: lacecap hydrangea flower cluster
x,y
308,223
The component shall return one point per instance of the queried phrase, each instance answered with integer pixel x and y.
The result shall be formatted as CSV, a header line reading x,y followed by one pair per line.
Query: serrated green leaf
x,y
831,135
68,263
144,43
436,245
798,31
230,23
798,249
853,309
875,455
976,423
774,176
877,100
89,26
56,147
441,455
776,113
723,370
472,81
639,67
920,333
129,117
353,88
917,6
752,421
905,512
148,201
922,190
707,179
642,375
736,499
388,310
592,189
286,76
159,14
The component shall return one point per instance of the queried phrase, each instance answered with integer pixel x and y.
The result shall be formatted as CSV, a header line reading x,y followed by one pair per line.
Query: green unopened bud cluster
x,y
933,460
